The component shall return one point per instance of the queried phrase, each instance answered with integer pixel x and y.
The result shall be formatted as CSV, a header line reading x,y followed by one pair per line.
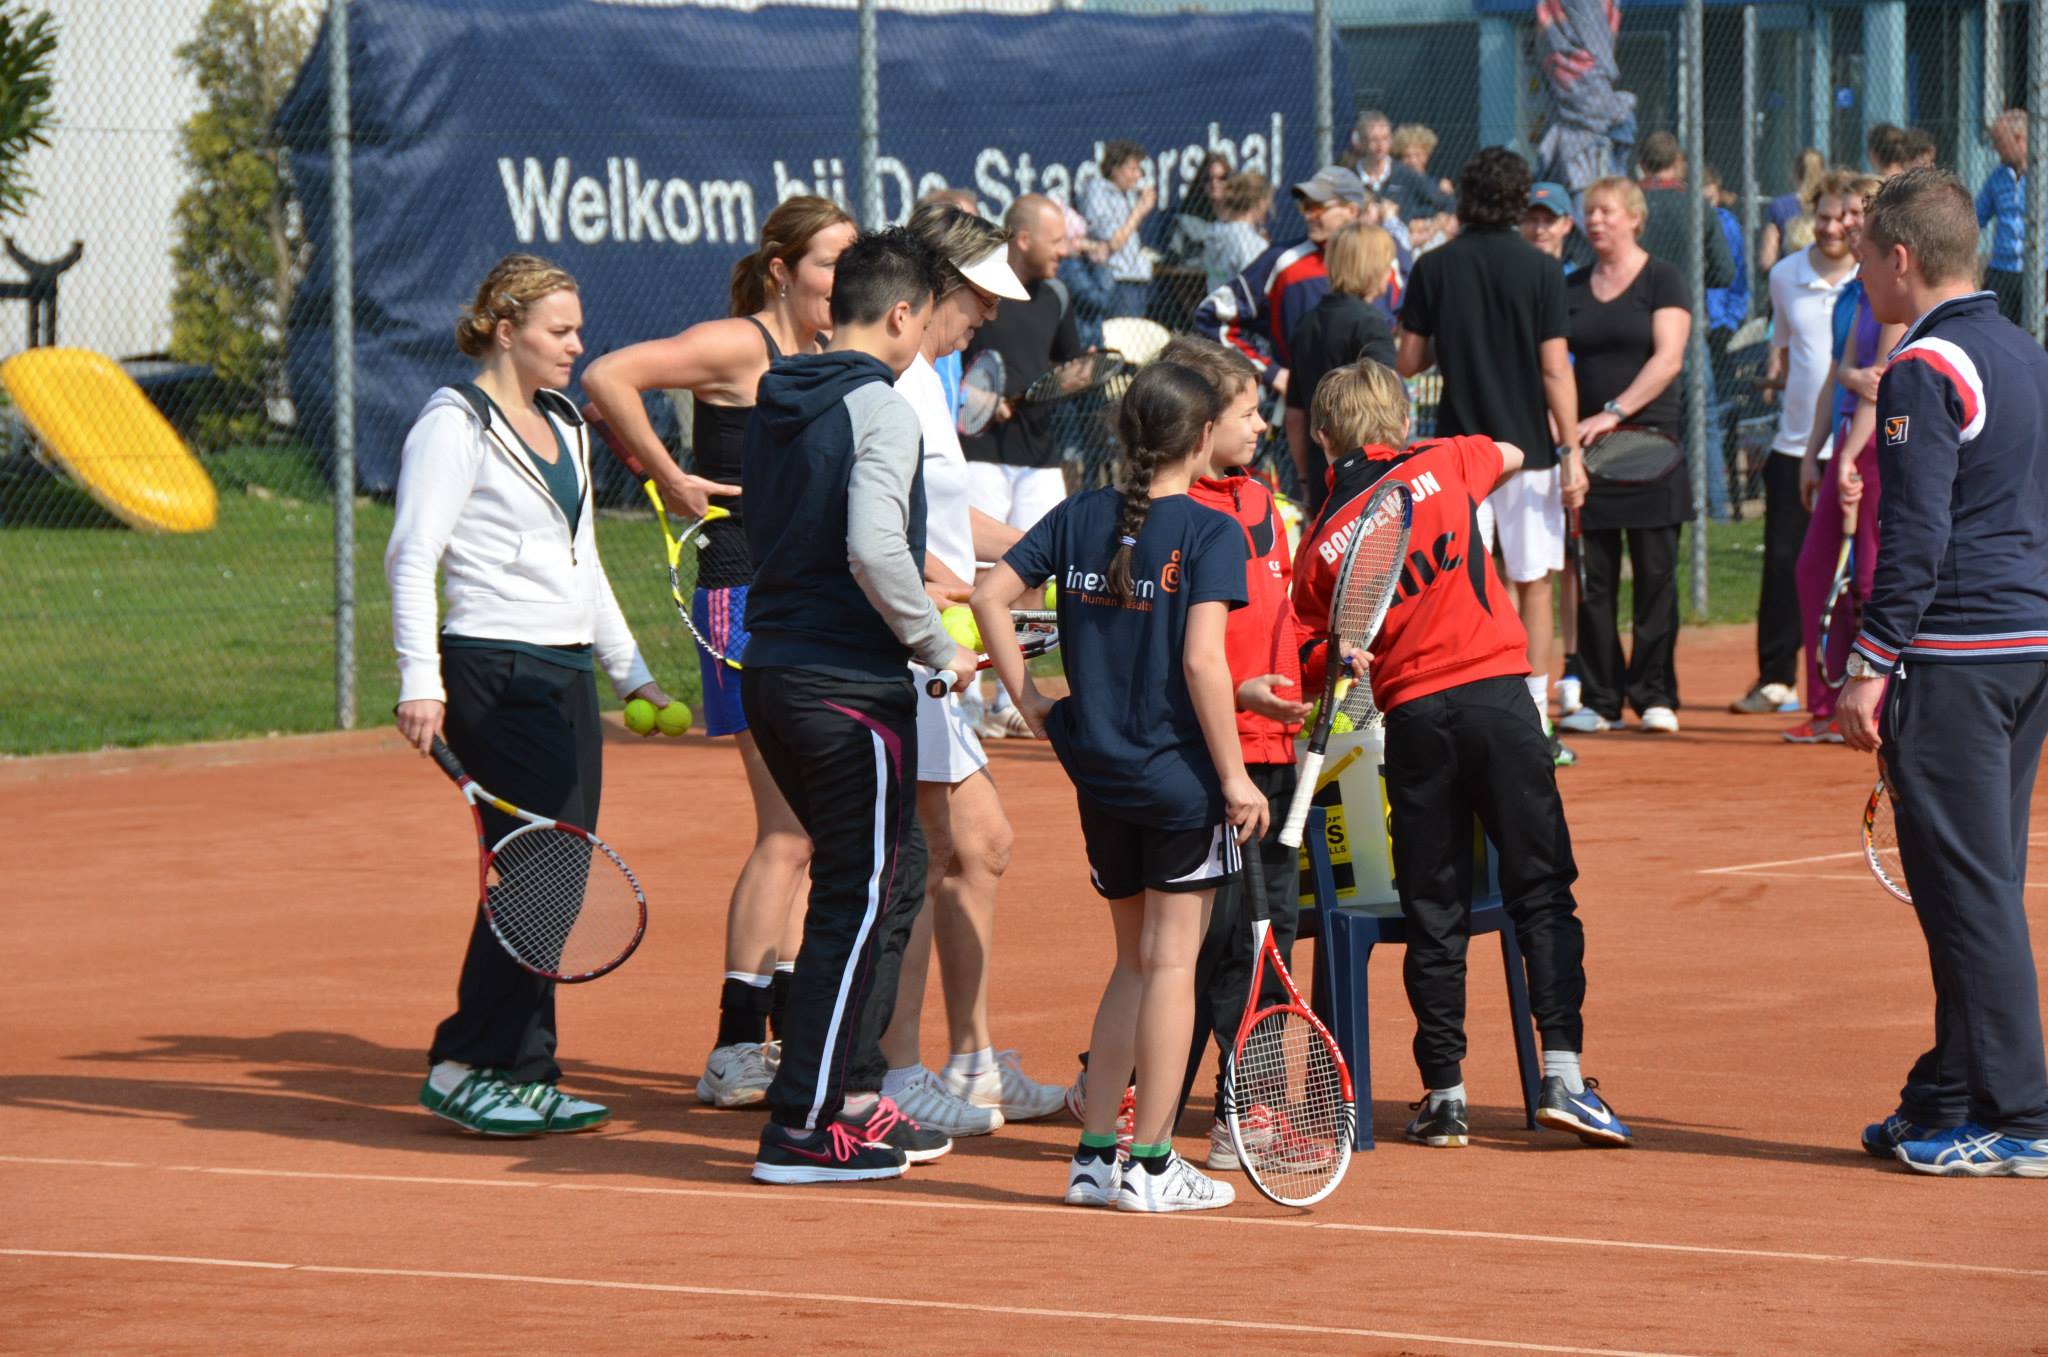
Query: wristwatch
x,y
1859,667
1614,408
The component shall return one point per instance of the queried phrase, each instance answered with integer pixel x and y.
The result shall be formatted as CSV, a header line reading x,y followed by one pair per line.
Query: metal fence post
x,y
1994,63
1750,132
1696,271
867,57
1320,90
2037,162
341,303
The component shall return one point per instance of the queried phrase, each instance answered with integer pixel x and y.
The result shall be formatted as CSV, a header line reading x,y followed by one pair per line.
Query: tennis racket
x,y
981,393
1076,377
682,550
557,898
1881,837
1287,1094
1038,633
1366,580
1633,455
1839,612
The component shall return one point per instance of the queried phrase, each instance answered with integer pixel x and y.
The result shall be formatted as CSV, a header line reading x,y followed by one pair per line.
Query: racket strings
x,y
1881,843
1287,1093
562,904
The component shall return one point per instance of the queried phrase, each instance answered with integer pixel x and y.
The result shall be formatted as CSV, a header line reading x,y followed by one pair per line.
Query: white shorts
x,y
1529,516
1016,495
948,750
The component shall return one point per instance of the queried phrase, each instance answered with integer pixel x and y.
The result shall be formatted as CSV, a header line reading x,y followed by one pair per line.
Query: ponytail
x,y
1160,421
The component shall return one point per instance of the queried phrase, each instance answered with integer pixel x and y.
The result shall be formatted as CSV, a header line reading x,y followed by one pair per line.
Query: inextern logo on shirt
x,y
1895,429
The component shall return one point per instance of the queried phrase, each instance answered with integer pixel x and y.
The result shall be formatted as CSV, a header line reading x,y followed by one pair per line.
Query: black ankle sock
x,y
1101,1154
778,1001
742,1013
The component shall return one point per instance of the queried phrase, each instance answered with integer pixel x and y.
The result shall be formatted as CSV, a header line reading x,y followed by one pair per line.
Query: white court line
x,y
1832,876
1744,867
780,1197
826,1298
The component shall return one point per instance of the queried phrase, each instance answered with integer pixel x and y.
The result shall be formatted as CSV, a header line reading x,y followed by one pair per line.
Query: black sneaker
x,y
886,1125
1442,1125
831,1154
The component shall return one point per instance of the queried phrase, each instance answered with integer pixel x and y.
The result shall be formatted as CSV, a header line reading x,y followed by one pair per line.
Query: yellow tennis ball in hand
x,y
640,716
959,623
674,719
1052,594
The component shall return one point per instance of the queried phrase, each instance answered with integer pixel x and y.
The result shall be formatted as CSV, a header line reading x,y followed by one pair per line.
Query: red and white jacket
x,y
1261,637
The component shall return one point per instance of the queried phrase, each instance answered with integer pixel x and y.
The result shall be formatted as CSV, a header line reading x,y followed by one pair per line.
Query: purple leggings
x,y
1816,570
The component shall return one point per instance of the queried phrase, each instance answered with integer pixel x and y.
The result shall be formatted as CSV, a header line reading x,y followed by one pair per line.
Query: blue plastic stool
x,y
1344,942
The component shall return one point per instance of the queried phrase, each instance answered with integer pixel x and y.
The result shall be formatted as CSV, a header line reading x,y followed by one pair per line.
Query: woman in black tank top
x,y
781,303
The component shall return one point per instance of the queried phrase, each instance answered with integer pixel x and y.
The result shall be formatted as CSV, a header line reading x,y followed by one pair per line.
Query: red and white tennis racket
x,y
558,898
1881,838
1287,1097
1038,633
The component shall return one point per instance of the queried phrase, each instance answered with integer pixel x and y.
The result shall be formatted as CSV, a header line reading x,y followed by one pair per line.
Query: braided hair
x,y
1159,422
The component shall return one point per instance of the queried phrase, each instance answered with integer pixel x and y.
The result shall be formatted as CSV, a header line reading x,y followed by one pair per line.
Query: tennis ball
x,y
1340,723
959,623
1052,594
640,716
674,719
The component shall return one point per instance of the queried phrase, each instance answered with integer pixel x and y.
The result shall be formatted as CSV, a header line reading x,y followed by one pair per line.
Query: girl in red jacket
x,y
1265,668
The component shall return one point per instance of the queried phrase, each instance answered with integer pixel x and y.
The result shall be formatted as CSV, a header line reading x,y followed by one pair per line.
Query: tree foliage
x,y
241,246
28,39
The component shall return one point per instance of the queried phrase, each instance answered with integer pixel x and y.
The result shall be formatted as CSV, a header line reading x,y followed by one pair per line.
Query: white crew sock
x,y
447,1076
1539,693
971,1063
1439,1096
1564,1065
895,1082
860,1104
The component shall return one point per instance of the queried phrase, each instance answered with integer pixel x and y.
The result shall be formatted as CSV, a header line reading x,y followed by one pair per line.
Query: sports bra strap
x,y
774,354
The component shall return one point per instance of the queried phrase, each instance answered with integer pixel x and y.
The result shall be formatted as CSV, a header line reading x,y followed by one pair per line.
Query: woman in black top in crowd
x,y
1630,317
1339,330
781,303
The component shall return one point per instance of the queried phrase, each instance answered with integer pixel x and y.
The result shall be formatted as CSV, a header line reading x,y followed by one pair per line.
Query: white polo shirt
x,y
1803,304
948,530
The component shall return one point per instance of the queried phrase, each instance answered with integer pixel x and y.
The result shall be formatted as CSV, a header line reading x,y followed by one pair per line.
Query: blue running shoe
x,y
1583,1114
1881,1138
1971,1151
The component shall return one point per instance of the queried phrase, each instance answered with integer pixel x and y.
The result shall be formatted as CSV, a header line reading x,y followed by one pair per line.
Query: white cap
x,y
992,274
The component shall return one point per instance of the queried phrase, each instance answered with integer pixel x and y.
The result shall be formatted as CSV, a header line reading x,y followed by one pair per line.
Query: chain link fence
x,y
195,492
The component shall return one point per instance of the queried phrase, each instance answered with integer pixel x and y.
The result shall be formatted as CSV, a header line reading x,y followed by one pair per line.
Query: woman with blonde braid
x,y
1146,578
781,303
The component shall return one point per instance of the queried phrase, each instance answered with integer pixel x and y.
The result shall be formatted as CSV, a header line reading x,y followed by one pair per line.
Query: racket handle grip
x,y
941,683
445,756
1304,792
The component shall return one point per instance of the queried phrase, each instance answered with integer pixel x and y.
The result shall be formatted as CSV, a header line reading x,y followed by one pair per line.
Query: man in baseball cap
x,y
1331,184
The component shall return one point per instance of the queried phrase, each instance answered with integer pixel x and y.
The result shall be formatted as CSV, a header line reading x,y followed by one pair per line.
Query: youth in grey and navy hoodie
x,y
833,469
1962,449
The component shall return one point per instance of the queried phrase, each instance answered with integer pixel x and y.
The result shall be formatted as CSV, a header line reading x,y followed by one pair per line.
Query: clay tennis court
x,y
231,956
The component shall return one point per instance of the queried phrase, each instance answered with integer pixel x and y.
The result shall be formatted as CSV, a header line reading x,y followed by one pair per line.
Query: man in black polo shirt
x,y
1487,310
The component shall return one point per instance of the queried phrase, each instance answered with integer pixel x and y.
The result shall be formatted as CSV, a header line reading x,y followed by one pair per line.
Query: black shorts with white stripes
x,y
1126,858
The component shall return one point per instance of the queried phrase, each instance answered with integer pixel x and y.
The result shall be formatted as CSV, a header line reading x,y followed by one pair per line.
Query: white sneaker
x,y
1568,697
1222,1150
735,1076
1003,723
1092,1181
925,1101
1180,1187
1584,721
771,1056
1660,721
1020,1097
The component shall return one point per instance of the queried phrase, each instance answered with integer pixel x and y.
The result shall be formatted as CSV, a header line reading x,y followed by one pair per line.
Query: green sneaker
x,y
1561,755
559,1112
485,1102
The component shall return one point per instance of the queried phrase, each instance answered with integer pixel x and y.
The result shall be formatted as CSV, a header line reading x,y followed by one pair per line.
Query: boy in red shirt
x,y
1263,645
1461,738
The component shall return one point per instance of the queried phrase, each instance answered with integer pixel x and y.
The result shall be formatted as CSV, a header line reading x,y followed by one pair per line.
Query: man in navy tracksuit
x,y
835,525
1958,621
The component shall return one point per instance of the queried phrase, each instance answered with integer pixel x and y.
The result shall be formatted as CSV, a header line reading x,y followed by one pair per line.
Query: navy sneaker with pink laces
x,y
834,1153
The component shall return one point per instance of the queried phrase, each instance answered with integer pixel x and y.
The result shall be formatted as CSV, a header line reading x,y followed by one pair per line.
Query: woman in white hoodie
x,y
495,491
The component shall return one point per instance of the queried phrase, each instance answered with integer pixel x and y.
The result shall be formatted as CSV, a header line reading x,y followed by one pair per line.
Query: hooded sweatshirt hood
x,y
793,394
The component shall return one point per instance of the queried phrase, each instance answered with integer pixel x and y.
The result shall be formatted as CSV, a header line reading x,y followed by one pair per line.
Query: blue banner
x,y
640,148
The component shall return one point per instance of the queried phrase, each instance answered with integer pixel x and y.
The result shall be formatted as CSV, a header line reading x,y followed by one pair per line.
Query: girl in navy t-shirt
x,y
1146,577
